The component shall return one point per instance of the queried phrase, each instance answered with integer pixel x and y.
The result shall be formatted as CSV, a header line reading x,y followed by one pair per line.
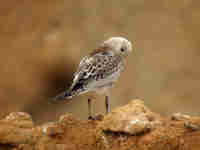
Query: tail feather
x,y
76,90
63,96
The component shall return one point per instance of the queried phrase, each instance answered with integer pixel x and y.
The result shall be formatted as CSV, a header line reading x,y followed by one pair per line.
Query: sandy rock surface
x,y
132,126
133,118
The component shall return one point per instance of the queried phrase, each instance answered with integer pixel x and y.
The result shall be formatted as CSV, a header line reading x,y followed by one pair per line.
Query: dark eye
x,y
122,49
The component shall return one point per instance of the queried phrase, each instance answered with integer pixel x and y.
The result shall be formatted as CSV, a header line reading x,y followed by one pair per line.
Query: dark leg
x,y
107,104
89,109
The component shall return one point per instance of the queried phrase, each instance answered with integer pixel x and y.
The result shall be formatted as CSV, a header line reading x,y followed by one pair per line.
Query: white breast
x,y
104,84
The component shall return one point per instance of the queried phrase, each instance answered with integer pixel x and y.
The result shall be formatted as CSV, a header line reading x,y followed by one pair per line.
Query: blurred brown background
x,y
42,42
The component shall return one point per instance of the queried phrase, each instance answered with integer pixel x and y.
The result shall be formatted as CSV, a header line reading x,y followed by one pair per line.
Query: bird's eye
x,y
122,49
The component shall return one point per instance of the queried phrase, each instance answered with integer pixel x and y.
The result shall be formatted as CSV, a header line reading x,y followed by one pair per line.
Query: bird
x,y
99,71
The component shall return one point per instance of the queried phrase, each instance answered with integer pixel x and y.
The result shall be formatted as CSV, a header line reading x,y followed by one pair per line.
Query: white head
x,y
119,45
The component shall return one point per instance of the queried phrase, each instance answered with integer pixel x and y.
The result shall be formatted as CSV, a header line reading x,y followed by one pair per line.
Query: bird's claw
x,y
97,117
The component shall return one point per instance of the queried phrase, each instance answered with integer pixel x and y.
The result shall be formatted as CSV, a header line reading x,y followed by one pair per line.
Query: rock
x,y
65,119
51,129
190,122
20,119
179,117
192,126
133,118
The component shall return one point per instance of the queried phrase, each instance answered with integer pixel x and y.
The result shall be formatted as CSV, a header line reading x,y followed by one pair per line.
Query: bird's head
x,y
119,45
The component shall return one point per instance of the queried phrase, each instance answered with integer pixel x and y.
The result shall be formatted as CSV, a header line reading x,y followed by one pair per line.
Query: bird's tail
x,y
66,95
76,90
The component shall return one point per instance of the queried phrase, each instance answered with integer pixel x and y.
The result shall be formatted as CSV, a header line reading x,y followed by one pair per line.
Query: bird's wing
x,y
94,69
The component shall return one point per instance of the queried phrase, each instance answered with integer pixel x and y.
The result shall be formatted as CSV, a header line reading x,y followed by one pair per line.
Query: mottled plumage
x,y
100,69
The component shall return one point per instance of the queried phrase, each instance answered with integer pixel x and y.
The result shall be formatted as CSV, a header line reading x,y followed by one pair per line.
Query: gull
x,y
99,71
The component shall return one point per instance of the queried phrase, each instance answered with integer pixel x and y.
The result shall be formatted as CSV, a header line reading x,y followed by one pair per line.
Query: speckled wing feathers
x,y
95,68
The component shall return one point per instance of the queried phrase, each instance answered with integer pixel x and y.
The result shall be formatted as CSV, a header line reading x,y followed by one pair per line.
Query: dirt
x,y
68,133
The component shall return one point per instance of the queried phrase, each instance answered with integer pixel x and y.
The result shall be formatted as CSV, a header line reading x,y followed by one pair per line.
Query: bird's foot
x,y
98,117
91,118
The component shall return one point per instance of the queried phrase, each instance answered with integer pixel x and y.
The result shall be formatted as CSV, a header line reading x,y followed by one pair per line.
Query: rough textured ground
x,y
178,132
42,42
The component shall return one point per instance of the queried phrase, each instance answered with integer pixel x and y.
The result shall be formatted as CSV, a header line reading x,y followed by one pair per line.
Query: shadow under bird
x,y
99,70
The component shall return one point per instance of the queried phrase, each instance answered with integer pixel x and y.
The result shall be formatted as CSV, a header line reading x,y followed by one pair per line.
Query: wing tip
x,y
62,96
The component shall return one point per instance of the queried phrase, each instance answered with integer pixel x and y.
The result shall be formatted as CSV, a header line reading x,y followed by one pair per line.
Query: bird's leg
x,y
89,109
107,104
